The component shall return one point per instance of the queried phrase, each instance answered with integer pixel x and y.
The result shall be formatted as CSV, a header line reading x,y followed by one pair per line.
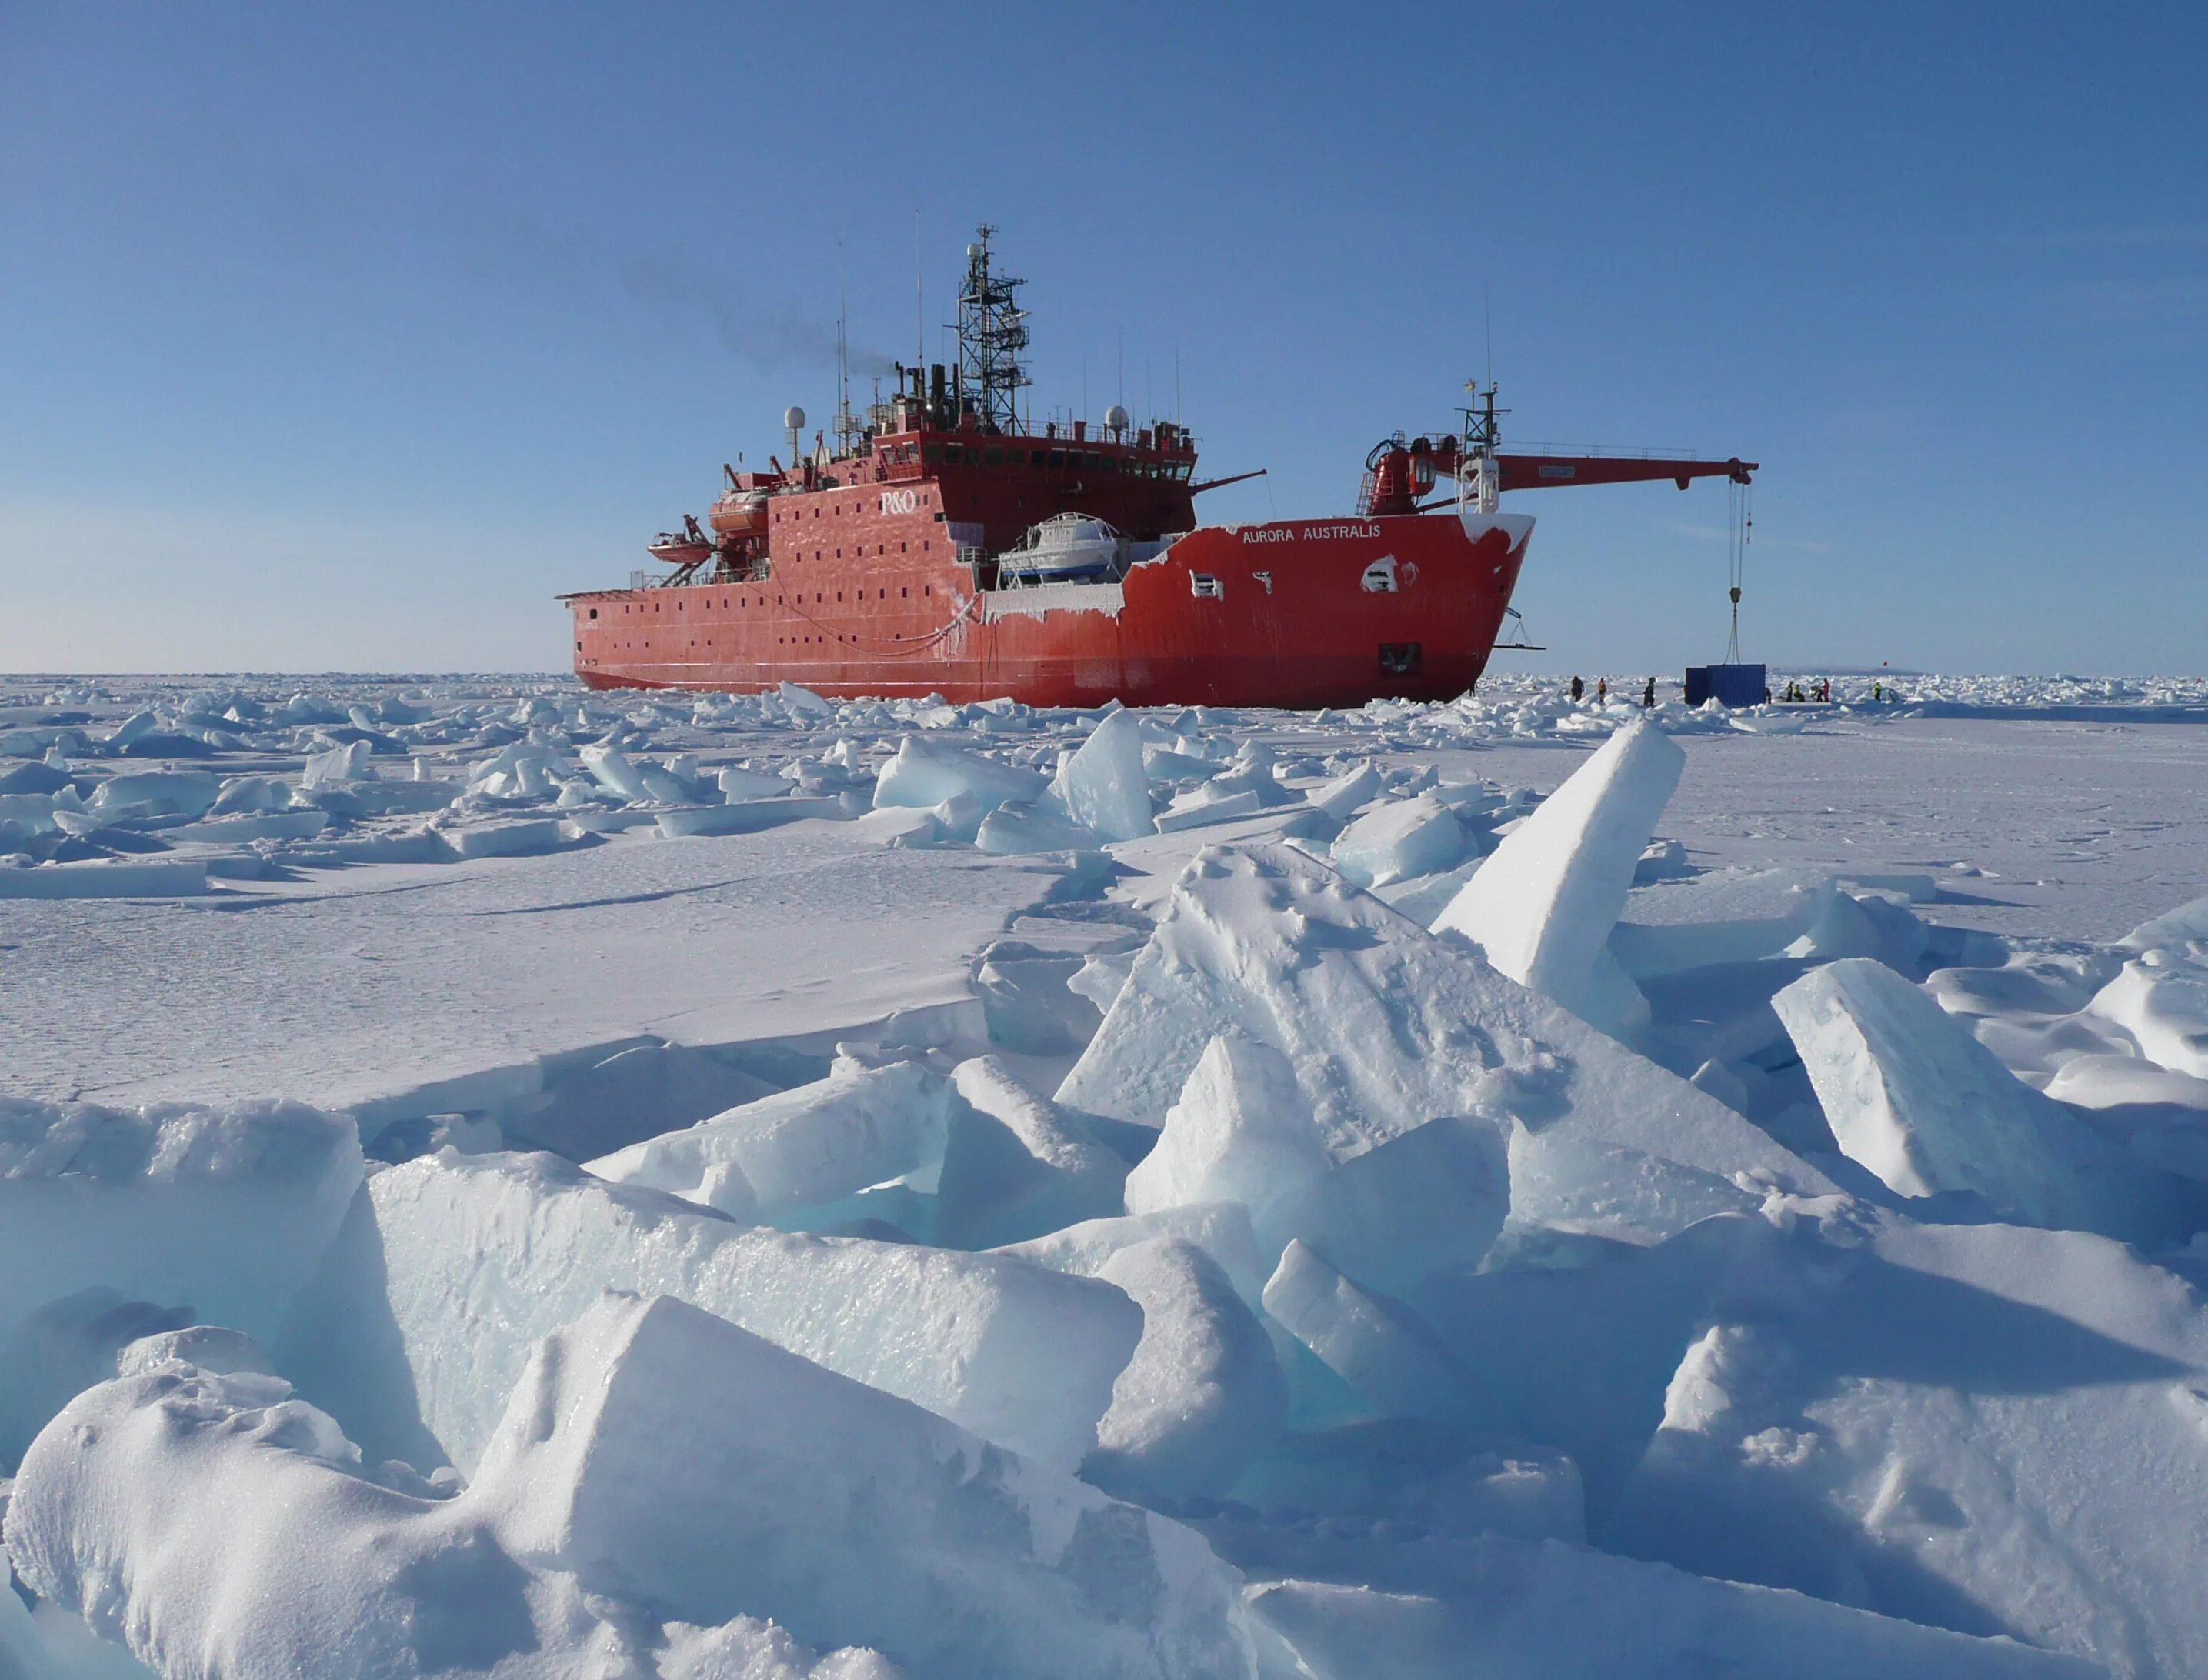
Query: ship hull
x,y
1293,613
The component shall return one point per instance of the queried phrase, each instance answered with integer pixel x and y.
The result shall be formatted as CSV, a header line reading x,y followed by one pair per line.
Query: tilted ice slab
x,y
1909,1094
1543,906
1431,1198
1728,916
1387,1027
1221,1229
482,1255
1400,839
1016,1164
1392,1367
925,773
225,1210
1104,785
2181,931
782,1159
218,1526
1202,1393
1563,1612
1242,1132
1988,1428
661,1453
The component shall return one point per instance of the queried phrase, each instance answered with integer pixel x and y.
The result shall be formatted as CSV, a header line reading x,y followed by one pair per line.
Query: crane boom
x,y
1397,474
1538,472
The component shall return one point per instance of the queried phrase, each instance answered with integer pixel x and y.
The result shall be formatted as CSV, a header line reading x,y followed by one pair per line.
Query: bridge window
x,y
1057,458
933,452
993,456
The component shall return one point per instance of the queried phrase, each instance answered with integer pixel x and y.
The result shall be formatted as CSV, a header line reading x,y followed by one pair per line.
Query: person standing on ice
x,y
1602,691
1648,696
1579,688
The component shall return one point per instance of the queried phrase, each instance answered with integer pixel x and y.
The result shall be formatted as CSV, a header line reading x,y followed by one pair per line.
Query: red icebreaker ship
x,y
943,547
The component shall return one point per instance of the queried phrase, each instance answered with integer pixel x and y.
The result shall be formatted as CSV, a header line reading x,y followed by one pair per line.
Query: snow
x,y
2164,1007
1416,1325
376,983
1986,1428
216,1524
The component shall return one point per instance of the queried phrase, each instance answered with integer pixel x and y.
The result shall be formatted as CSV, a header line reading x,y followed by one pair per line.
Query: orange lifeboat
x,y
686,546
740,516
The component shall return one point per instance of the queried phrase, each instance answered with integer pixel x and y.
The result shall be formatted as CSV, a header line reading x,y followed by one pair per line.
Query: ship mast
x,y
991,334
850,434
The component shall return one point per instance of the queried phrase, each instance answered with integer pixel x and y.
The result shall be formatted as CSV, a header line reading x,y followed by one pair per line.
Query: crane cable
x,y
1740,528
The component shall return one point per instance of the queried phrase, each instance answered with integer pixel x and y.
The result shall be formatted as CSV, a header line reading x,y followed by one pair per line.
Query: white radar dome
x,y
793,417
1116,418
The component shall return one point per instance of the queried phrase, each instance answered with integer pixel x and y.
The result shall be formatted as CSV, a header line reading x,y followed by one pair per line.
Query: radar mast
x,y
993,331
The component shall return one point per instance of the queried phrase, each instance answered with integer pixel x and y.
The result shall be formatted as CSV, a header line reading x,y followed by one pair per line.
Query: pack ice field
x,y
501,1179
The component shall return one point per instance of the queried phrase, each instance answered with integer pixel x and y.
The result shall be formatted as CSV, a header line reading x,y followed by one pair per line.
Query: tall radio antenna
x,y
919,297
847,424
1487,321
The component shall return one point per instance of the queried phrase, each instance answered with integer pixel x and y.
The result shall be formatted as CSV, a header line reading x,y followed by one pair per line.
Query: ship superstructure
x,y
943,545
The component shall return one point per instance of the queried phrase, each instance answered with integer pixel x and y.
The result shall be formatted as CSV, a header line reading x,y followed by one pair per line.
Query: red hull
x,y
1298,613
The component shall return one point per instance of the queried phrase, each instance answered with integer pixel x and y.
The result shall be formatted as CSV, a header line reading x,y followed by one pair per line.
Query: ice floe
x,y
859,1188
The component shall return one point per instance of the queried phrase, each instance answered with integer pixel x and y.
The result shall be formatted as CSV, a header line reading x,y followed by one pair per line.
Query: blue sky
x,y
340,337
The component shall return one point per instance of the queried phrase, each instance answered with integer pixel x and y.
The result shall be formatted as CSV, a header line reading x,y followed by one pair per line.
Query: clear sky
x,y
343,336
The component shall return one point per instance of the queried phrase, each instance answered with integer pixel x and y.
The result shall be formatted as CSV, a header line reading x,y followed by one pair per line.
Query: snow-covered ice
x,y
1911,1095
791,1159
503,1180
